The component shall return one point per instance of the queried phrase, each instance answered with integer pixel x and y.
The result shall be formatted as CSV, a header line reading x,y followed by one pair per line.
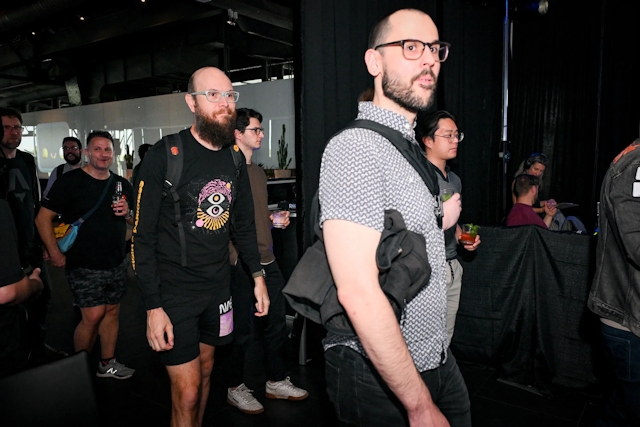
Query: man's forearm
x,y
378,330
45,229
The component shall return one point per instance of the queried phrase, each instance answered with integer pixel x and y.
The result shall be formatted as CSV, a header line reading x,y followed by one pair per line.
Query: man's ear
x,y
191,103
373,60
427,141
237,134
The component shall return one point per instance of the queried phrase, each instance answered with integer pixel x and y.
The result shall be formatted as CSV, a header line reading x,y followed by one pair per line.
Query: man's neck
x,y
9,153
247,151
383,102
525,201
96,173
204,143
439,163
76,166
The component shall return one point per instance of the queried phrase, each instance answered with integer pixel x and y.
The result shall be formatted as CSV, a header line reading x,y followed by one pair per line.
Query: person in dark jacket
x,y
615,292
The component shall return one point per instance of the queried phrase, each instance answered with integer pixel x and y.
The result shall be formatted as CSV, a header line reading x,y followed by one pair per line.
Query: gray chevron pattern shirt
x,y
361,175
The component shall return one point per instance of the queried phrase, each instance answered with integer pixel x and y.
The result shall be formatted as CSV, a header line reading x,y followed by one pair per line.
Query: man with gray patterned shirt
x,y
391,374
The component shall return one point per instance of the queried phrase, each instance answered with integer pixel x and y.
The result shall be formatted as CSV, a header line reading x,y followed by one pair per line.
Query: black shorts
x,y
196,318
92,288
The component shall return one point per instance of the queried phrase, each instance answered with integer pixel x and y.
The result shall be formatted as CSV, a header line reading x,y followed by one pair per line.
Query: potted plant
x,y
283,157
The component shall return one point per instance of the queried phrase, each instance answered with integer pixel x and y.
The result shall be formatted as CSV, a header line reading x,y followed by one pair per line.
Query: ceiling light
x,y
82,18
33,33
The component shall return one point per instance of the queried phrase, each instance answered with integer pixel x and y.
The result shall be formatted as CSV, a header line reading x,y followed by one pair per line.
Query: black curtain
x,y
572,92
574,95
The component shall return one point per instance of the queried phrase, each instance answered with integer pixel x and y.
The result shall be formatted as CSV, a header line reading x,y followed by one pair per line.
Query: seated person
x,y
15,289
525,190
534,165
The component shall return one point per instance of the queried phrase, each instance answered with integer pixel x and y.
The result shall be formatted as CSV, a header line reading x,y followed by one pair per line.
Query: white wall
x,y
146,120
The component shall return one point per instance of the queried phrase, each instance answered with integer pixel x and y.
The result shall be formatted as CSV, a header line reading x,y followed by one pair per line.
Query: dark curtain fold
x,y
573,95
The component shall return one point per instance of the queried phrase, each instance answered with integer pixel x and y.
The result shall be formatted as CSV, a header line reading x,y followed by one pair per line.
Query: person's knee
x,y
187,396
93,316
206,366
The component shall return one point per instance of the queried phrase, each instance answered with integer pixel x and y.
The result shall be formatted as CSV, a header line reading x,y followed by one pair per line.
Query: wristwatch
x,y
129,215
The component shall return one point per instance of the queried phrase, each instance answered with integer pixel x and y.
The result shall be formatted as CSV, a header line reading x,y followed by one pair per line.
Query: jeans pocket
x,y
619,350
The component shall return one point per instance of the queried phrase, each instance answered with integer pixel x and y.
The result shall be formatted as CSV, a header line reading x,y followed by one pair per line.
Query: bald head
x,y
380,31
205,76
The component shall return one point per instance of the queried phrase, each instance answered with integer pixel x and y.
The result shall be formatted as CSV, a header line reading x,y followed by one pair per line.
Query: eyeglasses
x,y
258,131
70,148
413,49
216,96
458,135
9,128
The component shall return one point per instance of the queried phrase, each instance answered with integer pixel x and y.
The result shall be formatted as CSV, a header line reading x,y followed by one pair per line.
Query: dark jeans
x,y
362,398
38,310
623,350
248,329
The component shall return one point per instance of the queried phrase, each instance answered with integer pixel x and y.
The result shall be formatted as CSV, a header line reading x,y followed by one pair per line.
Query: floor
x,y
145,400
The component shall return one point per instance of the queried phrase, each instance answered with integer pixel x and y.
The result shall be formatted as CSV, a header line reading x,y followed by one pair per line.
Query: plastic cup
x,y
469,234
279,218
446,193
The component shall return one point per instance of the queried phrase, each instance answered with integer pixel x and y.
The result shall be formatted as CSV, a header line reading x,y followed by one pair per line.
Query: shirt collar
x,y
369,111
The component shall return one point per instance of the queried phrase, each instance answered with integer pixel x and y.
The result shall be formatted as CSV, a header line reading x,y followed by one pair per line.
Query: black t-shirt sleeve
x,y
244,225
145,229
58,196
10,269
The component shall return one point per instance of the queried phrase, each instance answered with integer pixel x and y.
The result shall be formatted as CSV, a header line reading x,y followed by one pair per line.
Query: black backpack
x,y
175,163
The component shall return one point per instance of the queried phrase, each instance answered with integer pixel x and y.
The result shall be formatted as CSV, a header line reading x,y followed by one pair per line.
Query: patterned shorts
x,y
97,287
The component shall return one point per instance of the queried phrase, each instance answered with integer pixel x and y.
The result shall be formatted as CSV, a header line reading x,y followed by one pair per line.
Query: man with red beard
x,y
391,373
72,152
189,307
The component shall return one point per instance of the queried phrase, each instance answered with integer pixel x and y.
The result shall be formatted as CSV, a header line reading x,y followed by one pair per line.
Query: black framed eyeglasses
x,y
458,135
413,49
217,96
9,128
258,131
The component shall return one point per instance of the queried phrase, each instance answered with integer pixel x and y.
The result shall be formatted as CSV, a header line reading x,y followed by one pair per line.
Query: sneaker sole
x,y
246,411
275,396
98,374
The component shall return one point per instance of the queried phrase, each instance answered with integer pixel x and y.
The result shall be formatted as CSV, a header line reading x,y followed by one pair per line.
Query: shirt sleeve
x,y
10,269
625,199
350,181
145,228
243,226
58,196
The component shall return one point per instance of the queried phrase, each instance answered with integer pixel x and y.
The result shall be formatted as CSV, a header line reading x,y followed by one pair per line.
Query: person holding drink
x,y
248,137
440,137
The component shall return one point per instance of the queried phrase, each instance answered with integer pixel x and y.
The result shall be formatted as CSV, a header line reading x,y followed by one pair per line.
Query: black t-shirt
x,y
19,186
207,184
100,244
13,343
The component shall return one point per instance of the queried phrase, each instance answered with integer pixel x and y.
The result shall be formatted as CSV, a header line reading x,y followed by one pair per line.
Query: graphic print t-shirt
x,y
206,191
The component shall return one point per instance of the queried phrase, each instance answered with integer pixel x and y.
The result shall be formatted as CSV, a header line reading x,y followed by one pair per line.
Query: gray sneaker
x,y
242,399
115,370
284,390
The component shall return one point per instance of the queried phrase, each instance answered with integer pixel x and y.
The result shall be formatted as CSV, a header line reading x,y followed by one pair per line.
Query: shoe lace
x,y
244,393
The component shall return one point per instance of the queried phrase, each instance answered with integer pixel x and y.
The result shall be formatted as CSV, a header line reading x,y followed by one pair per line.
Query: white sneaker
x,y
242,399
284,390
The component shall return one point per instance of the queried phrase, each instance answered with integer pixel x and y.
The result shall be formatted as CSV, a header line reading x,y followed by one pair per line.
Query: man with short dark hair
x,y
95,265
392,373
188,299
441,138
142,151
273,328
19,185
525,189
72,154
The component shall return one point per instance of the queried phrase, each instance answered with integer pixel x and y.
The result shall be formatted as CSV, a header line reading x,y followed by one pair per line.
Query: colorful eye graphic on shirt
x,y
213,205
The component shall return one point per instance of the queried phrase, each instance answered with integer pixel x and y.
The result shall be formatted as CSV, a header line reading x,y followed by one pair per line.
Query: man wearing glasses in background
x,y
440,138
188,299
72,153
20,187
391,374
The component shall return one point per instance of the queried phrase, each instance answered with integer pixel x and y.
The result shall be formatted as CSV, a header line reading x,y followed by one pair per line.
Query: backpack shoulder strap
x,y
239,161
412,153
175,163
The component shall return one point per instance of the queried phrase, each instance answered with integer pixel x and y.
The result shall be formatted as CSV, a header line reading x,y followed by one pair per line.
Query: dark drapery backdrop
x,y
573,92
